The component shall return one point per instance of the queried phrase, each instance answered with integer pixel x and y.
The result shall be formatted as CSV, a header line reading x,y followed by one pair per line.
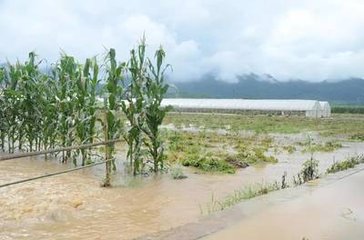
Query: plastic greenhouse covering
x,y
311,108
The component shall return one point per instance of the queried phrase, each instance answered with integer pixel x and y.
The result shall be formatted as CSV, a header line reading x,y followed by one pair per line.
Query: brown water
x,y
334,211
73,206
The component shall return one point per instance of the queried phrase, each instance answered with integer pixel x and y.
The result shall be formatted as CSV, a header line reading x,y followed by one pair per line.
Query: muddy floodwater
x,y
334,211
74,206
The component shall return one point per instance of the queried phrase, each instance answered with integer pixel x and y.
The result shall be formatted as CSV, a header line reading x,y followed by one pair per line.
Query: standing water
x,y
74,206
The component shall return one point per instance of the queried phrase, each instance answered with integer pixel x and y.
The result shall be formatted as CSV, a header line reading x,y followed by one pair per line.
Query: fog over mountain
x,y
253,86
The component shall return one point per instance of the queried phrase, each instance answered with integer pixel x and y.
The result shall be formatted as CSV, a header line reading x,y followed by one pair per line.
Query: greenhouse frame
x,y
308,108
325,109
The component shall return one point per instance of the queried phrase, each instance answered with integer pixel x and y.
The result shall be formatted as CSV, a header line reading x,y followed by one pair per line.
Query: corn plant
x,y
85,98
112,124
57,108
2,113
66,72
134,107
155,90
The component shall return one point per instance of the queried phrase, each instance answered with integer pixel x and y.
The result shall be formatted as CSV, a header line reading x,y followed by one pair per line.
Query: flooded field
x,y
74,206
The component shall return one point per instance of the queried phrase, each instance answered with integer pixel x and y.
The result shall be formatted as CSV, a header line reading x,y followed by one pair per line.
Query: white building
x,y
325,109
310,108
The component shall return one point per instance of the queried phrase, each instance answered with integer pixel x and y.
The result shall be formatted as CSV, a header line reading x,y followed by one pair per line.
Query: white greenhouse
x,y
309,108
325,109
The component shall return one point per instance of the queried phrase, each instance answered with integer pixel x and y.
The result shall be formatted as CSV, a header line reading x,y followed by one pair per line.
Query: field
x,y
213,162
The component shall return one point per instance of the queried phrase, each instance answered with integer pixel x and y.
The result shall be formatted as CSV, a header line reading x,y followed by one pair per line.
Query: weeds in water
x,y
357,137
346,164
290,149
329,146
208,163
237,196
177,172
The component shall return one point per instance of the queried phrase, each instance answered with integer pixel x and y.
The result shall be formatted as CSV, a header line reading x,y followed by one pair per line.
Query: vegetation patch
x,y
209,163
177,172
237,196
213,152
290,149
355,109
339,124
309,146
357,137
252,155
346,164
309,172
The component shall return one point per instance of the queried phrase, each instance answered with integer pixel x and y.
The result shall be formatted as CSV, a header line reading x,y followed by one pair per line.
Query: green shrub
x,y
177,172
310,170
208,163
254,155
290,149
357,137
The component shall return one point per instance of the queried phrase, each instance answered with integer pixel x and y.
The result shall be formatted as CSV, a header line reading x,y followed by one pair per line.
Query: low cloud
x,y
312,40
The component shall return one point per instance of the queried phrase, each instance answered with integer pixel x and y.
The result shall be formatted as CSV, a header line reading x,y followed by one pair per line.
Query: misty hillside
x,y
255,87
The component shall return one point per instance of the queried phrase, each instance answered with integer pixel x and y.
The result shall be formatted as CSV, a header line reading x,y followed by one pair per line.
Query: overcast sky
x,y
307,39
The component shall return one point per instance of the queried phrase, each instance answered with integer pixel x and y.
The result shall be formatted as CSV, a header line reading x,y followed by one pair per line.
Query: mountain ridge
x,y
253,86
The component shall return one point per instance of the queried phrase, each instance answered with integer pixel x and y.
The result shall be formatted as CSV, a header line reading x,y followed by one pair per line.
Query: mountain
x,y
253,86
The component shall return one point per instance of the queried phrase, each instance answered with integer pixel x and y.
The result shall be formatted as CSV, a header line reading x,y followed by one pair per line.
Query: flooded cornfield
x,y
74,206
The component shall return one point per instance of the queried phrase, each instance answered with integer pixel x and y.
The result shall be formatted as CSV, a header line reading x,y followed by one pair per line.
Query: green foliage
x,y
346,164
154,113
237,196
355,109
310,170
58,107
142,108
357,137
290,149
310,146
253,155
208,163
177,172
343,124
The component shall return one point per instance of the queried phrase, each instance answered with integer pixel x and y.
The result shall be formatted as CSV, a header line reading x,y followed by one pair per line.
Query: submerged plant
x,y
346,164
237,196
112,124
134,107
155,89
177,172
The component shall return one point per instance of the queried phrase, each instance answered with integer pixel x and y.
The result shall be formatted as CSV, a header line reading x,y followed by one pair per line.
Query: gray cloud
x,y
306,39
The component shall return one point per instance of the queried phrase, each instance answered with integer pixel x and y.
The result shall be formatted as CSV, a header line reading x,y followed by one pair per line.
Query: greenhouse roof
x,y
243,104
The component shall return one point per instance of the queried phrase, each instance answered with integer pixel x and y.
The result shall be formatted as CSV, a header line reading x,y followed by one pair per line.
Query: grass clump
x,y
346,164
309,172
357,137
330,146
177,172
252,155
208,163
290,149
239,195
